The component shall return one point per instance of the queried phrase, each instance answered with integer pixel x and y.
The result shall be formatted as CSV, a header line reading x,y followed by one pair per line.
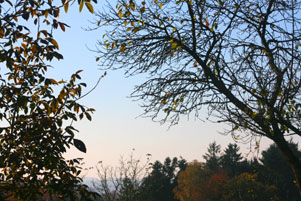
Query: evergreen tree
x,y
159,185
231,160
212,156
277,171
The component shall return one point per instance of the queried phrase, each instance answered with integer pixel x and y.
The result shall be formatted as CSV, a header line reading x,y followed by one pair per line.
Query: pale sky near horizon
x,y
114,129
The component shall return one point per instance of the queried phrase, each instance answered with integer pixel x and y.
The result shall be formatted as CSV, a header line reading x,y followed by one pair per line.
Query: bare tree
x,y
239,58
121,182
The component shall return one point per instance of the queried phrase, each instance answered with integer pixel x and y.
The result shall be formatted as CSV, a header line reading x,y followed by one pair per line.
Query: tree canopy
x,y
239,58
36,118
171,180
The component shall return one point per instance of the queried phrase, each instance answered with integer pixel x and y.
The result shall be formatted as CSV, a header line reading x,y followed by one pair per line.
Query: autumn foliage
x,y
197,182
37,111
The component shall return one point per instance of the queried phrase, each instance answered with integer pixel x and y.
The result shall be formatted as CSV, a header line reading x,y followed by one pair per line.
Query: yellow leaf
x,y
156,1
195,64
174,45
24,46
120,14
81,5
132,23
122,48
90,7
133,7
55,43
53,81
46,13
129,29
173,29
125,23
160,5
136,29
164,101
66,6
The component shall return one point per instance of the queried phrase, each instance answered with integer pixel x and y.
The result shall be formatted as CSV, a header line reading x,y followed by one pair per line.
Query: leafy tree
x,y
240,58
212,156
159,184
246,187
231,160
276,171
35,128
189,182
198,182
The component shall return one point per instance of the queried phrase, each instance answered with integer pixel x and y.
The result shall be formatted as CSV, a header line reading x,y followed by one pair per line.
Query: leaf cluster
x,y
36,121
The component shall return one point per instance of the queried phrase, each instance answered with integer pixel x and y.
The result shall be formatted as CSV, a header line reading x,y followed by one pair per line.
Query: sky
x,y
116,129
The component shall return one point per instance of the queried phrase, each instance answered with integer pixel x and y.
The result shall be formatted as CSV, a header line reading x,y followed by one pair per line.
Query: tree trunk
x,y
291,158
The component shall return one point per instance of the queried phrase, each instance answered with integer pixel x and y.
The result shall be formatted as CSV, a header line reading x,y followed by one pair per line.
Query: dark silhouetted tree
x,y
36,111
212,156
246,187
276,171
231,160
240,58
159,185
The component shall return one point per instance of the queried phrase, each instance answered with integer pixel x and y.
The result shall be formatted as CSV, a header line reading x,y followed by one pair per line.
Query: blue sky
x,y
114,129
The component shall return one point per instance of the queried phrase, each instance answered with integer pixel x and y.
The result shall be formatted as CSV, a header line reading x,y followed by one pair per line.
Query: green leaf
x,y
80,145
